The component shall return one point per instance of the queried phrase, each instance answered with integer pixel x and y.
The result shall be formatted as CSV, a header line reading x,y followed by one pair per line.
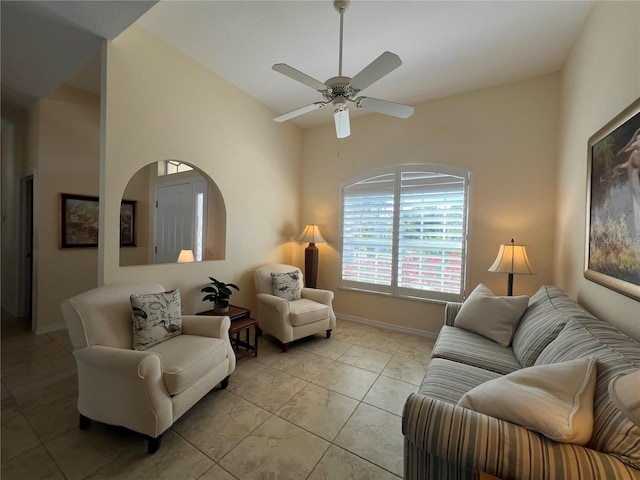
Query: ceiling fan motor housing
x,y
338,87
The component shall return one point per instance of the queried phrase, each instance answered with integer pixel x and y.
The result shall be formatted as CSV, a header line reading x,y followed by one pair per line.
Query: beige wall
x,y
66,134
506,135
160,104
600,79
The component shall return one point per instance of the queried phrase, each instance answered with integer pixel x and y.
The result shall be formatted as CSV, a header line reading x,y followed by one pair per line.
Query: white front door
x,y
174,221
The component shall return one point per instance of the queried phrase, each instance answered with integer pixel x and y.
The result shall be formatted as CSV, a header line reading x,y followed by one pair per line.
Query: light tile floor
x,y
329,409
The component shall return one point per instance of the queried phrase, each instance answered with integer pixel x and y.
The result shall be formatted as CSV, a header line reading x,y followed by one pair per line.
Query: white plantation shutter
x,y
367,232
404,232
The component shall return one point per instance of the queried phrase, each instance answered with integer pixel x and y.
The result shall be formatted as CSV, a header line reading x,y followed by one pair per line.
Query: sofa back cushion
x,y
548,312
613,432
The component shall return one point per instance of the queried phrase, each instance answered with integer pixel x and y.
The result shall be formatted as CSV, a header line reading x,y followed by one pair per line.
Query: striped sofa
x,y
444,441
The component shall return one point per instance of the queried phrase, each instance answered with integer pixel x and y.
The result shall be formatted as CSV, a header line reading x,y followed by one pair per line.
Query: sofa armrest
x,y
206,326
475,442
451,309
321,296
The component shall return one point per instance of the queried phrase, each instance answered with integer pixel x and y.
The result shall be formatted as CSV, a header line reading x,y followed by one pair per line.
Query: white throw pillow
x,y
493,317
555,400
156,317
287,285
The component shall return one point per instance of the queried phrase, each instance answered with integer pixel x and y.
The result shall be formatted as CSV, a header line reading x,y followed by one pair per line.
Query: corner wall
x,y
65,143
600,79
160,104
506,135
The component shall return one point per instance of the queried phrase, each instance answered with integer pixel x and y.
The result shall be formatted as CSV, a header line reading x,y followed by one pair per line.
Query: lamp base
x,y
310,265
510,285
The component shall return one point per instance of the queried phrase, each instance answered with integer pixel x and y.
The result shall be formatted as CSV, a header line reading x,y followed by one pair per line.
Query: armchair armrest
x,y
475,442
451,309
119,386
321,296
206,326
120,361
276,303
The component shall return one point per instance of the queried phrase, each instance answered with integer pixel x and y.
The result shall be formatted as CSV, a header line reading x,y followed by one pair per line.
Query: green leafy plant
x,y
218,293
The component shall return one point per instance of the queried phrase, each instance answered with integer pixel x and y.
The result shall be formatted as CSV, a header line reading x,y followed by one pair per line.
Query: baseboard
x,y
388,326
50,328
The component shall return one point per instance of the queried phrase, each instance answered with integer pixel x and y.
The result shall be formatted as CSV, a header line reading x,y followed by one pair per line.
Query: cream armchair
x,y
289,320
145,391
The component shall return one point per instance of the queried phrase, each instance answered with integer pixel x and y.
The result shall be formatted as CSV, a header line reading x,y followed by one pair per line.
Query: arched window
x,y
404,232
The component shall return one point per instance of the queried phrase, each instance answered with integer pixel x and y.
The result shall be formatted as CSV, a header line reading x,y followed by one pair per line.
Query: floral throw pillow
x,y
156,317
287,285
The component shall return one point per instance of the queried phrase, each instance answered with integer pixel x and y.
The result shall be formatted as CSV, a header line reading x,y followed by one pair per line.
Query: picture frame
x,y
128,223
612,246
78,217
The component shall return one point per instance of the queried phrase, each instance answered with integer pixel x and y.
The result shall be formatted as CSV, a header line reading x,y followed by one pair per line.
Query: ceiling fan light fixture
x,y
342,89
341,118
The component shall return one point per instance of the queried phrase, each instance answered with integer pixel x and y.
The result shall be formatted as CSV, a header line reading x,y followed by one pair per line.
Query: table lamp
x,y
512,259
311,234
186,256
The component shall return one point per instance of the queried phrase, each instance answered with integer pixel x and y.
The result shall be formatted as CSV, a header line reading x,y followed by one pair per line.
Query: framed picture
x,y
612,247
78,221
128,223
79,217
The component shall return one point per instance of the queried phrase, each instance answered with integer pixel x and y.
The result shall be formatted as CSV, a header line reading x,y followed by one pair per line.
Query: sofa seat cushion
x,y
188,358
305,311
463,346
548,312
448,381
613,432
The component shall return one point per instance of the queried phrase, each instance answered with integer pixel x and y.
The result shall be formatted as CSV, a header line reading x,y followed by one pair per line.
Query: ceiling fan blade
x,y
343,127
297,75
381,66
299,111
383,106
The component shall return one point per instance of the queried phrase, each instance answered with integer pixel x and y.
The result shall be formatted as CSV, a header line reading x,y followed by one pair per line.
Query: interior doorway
x,y
25,263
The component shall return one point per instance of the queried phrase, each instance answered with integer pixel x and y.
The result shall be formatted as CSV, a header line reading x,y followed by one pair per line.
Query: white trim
x,y
50,328
388,326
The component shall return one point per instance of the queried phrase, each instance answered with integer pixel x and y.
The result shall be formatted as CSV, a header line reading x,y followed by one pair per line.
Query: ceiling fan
x,y
341,90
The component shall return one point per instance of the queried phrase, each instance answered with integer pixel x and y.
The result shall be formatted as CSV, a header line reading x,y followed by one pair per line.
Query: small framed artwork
x,y
128,223
612,247
78,216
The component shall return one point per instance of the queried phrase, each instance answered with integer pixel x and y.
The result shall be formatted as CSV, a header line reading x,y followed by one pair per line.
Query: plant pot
x,y
217,309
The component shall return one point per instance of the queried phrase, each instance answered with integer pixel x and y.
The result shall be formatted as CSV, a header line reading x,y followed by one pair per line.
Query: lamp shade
x,y
624,391
186,256
311,234
512,259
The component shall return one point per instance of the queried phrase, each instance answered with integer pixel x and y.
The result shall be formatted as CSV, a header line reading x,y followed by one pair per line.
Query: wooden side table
x,y
241,321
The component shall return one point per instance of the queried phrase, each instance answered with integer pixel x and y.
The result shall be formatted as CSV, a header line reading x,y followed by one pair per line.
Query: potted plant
x,y
219,293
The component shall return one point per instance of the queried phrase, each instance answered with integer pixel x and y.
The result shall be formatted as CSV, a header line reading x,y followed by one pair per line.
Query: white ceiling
x,y
44,43
447,47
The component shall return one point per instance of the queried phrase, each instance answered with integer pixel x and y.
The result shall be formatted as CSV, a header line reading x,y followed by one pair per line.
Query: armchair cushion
x,y
305,311
188,358
156,317
287,285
